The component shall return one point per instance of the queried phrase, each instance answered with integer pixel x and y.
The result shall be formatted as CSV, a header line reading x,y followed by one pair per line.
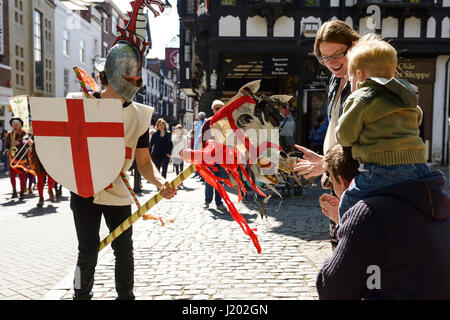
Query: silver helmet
x,y
122,70
123,63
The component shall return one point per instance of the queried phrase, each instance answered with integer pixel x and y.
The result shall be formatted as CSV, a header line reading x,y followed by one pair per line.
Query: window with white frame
x,y
39,72
66,42
82,51
113,24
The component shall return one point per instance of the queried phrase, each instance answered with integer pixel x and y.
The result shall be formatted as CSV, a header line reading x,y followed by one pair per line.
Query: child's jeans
x,y
374,177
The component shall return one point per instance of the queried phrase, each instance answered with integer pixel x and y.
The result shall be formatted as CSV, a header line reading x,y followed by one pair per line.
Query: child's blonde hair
x,y
371,53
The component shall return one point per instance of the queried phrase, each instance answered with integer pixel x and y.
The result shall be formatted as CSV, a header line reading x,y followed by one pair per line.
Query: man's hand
x,y
330,206
311,164
167,192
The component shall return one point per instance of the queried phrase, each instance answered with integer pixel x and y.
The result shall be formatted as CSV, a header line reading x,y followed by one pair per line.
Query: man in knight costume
x,y
121,75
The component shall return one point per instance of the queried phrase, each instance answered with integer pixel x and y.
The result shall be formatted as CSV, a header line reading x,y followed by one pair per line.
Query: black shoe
x,y
126,296
14,194
82,297
22,195
40,204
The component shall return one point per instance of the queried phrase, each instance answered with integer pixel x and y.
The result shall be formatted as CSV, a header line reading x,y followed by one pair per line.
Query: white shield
x,y
80,142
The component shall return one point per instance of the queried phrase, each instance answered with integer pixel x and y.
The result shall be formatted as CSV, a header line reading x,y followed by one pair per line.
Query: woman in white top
x,y
332,42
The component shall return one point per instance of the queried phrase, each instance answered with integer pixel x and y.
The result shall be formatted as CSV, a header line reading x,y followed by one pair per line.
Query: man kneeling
x,y
394,245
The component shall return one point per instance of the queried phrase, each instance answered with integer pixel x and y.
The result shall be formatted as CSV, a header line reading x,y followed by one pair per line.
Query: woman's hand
x,y
311,164
330,206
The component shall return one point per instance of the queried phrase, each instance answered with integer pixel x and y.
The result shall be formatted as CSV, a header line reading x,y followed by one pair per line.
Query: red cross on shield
x,y
80,142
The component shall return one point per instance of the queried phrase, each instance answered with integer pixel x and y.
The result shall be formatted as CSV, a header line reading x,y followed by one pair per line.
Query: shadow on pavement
x,y
12,202
36,212
300,216
225,215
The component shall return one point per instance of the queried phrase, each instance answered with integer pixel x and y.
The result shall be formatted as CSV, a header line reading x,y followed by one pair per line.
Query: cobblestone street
x,y
204,254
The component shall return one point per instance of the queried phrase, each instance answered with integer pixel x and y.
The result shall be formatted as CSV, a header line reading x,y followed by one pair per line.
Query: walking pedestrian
x,y
161,146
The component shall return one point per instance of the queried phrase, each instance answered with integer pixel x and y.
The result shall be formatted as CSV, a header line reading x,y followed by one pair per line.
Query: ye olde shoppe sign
x,y
416,71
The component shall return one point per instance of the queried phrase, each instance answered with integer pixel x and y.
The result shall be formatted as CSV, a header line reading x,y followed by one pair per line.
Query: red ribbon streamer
x,y
229,159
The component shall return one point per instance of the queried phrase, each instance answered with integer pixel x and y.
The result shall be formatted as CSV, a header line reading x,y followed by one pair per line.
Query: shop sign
x,y
416,71
280,66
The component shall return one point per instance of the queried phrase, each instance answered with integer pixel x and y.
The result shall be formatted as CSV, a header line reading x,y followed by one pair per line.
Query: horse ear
x,y
252,86
283,98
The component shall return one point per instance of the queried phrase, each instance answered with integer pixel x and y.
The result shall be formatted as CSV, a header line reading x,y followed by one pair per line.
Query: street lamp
x,y
167,8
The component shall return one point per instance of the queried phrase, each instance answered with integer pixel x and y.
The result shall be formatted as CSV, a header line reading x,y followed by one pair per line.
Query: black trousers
x,y
161,163
87,216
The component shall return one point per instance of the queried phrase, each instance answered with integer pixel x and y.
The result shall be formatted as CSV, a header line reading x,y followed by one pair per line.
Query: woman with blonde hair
x,y
161,146
333,40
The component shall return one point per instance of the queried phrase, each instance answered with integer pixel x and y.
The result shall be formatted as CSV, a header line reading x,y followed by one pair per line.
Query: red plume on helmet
x,y
135,29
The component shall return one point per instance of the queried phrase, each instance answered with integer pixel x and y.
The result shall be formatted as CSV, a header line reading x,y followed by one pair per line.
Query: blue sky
x,y
164,28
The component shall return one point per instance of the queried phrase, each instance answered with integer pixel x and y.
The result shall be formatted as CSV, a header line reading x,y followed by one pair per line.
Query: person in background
x,y
42,175
137,184
198,129
206,135
4,158
13,147
192,139
161,146
287,129
58,190
393,245
317,134
180,142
